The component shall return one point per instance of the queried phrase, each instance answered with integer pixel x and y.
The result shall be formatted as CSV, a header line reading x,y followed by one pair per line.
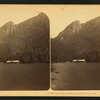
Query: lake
x,y
24,76
75,76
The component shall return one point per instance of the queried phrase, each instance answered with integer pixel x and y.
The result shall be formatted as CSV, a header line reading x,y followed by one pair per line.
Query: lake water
x,y
24,76
75,76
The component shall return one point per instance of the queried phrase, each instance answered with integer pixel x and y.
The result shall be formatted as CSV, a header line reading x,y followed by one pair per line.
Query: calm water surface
x,y
75,76
24,76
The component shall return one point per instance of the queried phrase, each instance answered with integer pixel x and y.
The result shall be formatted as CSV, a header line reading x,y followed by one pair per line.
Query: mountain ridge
x,y
27,41
78,41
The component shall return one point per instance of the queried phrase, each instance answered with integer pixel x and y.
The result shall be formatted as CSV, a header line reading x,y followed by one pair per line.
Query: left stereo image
x,y
24,48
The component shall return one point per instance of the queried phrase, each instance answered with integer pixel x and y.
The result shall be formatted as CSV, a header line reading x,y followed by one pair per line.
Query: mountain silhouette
x,y
27,41
77,41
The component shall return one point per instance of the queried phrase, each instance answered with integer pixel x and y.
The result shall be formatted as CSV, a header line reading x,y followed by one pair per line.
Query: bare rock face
x,y
27,41
73,28
77,41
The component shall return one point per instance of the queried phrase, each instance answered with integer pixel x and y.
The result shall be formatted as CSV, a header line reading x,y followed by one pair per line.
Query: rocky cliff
x,y
27,41
78,41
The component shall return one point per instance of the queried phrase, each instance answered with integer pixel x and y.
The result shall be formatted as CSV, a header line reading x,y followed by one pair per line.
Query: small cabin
x,y
79,60
12,61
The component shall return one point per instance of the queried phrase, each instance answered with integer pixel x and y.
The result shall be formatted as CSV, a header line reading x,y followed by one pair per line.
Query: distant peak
x,y
76,22
73,28
9,23
42,14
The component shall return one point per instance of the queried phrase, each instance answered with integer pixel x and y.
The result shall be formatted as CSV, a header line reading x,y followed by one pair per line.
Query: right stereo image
x,y
75,48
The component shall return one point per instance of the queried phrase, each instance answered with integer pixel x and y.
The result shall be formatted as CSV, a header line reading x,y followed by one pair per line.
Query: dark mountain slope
x,y
78,41
27,41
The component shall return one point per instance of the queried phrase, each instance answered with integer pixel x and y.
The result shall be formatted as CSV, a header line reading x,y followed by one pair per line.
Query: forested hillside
x,y
78,41
27,41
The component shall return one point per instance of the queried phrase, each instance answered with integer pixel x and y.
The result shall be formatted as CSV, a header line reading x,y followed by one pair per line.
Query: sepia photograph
x,y
75,48
24,48
49,50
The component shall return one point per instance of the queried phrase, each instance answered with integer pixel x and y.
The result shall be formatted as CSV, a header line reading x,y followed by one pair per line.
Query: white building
x,y
79,60
13,61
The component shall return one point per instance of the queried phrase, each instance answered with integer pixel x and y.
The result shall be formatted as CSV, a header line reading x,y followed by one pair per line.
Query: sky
x,y
59,15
